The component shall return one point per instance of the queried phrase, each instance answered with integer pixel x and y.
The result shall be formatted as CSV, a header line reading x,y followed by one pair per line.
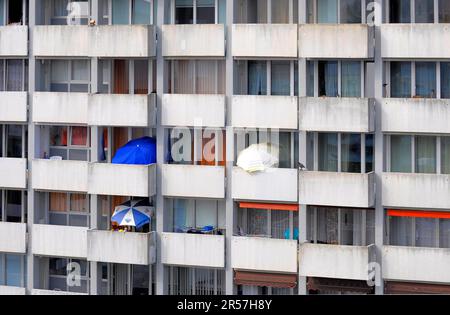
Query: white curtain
x,y
206,76
351,79
183,76
14,79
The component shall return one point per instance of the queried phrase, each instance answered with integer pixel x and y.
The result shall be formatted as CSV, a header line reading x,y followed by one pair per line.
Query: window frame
x,y
68,212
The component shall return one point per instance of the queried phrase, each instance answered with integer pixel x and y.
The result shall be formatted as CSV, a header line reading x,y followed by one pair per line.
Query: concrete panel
x,y
416,264
60,175
334,261
264,254
193,110
193,250
122,179
61,41
122,110
121,248
13,106
337,114
264,41
411,41
8,290
14,41
13,238
416,190
59,241
336,189
13,173
54,292
189,40
256,111
193,181
412,115
125,41
336,41
60,108
275,184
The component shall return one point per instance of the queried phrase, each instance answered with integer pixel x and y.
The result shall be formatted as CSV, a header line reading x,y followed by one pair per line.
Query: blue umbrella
x,y
132,213
138,151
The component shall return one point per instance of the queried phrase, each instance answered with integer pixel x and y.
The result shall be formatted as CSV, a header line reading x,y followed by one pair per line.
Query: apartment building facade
x,y
354,93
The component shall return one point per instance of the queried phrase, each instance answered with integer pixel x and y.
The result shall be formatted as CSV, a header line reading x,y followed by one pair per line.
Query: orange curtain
x,y
121,81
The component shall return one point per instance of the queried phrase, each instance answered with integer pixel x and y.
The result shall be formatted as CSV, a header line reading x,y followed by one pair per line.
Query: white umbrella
x,y
258,157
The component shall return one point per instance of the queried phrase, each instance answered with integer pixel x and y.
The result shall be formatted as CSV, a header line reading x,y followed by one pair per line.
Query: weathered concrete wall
x,y
193,181
335,41
264,254
336,189
275,184
255,111
14,41
264,40
13,237
13,173
200,40
13,106
337,114
416,190
8,290
193,110
61,41
60,108
184,249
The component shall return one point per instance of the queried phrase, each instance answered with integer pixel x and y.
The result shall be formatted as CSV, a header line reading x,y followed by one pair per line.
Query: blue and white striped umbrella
x,y
133,213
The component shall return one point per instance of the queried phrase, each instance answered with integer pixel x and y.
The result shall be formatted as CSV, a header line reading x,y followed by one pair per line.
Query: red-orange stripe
x,y
269,206
419,214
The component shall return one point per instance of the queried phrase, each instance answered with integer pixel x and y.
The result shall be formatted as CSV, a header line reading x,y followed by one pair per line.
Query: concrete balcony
x,y
14,41
60,108
13,238
337,189
415,41
59,241
61,41
60,175
335,261
264,254
275,185
54,292
13,173
183,110
13,106
252,41
124,41
122,179
416,264
193,250
196,181
415,115
8,290
193,41
121,248
340,41
118,110
416,190
255,111
337,114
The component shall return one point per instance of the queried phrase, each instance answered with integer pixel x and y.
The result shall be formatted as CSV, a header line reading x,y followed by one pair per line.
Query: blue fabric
x,y
287,232
139,218
140,151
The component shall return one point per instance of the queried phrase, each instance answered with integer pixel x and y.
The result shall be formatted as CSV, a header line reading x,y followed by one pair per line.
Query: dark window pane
x,y
424,11
369,153
400,79
445,79
399,11
184,12
350,11
281,78
351,153
14,141
13,206
257,78
328,78
444,11
205,12
426,79
328,152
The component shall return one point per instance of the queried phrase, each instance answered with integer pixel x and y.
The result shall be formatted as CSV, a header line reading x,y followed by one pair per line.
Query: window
x,y
350,11
205,12
184,12
280,72
328,152
426,79
2,12
445,79
257,78
13,75
399,11
351,79
425,149
327,11
68,209
70,75
401,154
70,143
444,11
60,268
280,11
328,78
400,79
351,153
141,12
14,137
445,155
195,281
13,206
12,270
64,9
424,11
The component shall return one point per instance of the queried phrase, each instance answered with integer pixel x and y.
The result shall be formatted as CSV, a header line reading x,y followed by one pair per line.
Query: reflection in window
x,y
401,154
426,79
327,11
400,79
328,78
399,11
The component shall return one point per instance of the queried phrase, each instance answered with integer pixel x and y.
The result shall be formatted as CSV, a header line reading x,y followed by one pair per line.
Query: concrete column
x,y
378,154
161,279
230,288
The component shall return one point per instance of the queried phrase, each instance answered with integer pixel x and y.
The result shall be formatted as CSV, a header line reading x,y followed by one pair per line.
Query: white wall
x,y
13,173
14,41
13,106
13,237
60,107
8,290
61,41
60,175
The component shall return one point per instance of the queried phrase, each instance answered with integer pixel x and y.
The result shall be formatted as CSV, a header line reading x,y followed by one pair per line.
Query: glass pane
x,y
399,11
13,206
59,71
285,150
2,12
257,222
2,71
369,153
80,70
14,141
426,79
79,136
206,76
347,227
205,213
444,11
328,152
280,11
78,220
57,152
280,224
257,78
13,270
120,11
400,79
205,12
78,155
14,79
425,232
327,226
444,233
350,11
57,218
328,78
310,78
141,12
351,79
222,11
184,12
184,76
370,227
445,155
58,202
281,77
351,153
327,11
425,154
57,266
78,202
401,154
141,77
400,231
445,79
424,11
